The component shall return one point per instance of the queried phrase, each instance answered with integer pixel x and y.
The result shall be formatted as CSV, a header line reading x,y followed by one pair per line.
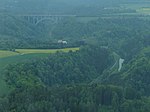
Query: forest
x,y
109,70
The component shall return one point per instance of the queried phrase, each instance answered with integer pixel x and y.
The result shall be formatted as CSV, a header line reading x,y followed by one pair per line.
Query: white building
x,y
62,42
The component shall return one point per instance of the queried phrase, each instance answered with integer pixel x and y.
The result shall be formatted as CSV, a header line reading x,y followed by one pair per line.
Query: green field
x,y
32,51
22,55
141,7
4,53
7,53
144,10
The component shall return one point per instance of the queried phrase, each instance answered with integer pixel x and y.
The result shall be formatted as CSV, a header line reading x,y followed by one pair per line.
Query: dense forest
x,y
66,82
109,73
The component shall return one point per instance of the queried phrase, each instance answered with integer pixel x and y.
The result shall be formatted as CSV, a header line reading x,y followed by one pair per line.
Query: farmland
x,y
144,10
32,51
7,53
4,53
141,7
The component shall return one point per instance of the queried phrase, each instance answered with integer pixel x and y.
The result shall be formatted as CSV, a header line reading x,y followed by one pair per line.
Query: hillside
x,y
57,6
80,67
134,74
62,82
15,31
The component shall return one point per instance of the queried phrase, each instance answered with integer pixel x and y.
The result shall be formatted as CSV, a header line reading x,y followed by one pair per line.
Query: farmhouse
x,y
62,42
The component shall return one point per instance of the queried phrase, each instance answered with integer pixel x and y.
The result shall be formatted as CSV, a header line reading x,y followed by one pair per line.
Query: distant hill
x,y
55,6
14,30
12,26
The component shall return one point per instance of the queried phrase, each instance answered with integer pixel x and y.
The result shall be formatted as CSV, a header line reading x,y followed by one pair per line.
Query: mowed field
x,y
32,51
141,7
145,10
23,55
4,53
7,53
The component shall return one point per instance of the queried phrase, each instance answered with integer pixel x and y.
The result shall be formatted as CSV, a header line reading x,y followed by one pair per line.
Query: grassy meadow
x,y
140,7
4,53
33,51
144,10
7,53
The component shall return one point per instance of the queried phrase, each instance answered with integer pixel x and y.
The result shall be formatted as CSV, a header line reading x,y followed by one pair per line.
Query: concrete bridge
x,y
36,19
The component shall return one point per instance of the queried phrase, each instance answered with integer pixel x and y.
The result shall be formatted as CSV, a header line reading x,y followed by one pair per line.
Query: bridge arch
x,y
36,19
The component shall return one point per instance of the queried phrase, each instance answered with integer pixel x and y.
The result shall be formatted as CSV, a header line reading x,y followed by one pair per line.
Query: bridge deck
x,y
48,15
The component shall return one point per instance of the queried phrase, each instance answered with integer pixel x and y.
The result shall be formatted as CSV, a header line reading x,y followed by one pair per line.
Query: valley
x,y
74,56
